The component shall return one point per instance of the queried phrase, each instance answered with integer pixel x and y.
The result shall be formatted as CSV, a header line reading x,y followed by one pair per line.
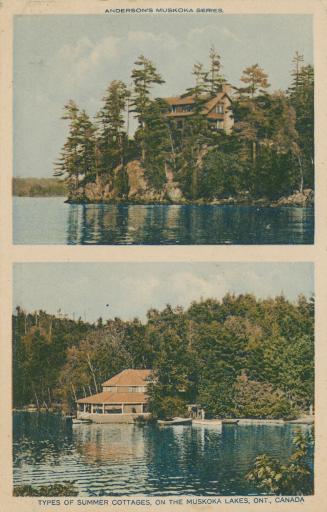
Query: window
x,y
219,109
220,125
113,409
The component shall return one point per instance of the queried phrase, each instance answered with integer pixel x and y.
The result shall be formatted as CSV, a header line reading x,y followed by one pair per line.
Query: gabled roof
x,y
114,398
129,377
189,100
213,102
178,100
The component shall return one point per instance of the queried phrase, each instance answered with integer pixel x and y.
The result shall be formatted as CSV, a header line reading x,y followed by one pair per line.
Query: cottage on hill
x,y
217,109
123,398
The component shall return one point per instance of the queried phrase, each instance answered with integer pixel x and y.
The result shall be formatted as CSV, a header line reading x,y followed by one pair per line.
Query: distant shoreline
x,y
39,187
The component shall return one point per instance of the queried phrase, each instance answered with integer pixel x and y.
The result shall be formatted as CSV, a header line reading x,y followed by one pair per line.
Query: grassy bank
x,y
39,187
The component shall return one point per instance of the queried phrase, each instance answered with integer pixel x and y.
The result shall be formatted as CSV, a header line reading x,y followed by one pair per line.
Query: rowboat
x,y
76,421
176,421
230,421
214,422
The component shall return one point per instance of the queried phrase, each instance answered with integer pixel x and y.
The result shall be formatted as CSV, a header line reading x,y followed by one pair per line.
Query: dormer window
x,y
219,109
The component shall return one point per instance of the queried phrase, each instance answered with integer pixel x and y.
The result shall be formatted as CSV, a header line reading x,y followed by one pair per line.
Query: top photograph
x,y
161,128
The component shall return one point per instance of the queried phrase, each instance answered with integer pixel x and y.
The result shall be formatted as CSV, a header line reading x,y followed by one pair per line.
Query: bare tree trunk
x,y
92,372
74,393
173,154
50,329
301,173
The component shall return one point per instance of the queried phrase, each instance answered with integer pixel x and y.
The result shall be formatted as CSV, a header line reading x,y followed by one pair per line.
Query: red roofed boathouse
x,y
123,399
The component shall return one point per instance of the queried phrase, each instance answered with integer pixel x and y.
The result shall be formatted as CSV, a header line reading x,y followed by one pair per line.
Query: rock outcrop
x,y
105,188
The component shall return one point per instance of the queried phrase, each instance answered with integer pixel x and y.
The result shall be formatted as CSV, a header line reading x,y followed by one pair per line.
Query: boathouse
x,y
122,400
217,109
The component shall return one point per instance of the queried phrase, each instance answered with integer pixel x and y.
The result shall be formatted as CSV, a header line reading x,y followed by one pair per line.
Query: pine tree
x,y
215,79
157,143
77,161
200,77
301,95
144,76
256,80
113,137
68,164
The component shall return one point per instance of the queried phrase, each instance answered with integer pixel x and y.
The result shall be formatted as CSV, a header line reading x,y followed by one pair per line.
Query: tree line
x,y
270,151
237,357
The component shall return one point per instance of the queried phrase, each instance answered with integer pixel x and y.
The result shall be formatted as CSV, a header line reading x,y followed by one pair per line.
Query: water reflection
x,y
157,224
104,443
130,459
162,224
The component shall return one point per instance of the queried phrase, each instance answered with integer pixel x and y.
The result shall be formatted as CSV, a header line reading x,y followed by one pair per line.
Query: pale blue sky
x,y
131,289
57,58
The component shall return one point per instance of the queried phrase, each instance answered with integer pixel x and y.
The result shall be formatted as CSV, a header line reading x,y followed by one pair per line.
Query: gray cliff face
x,y
139,190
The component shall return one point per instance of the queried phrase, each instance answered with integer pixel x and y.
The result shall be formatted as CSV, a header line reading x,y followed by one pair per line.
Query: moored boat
x,y
214,422
176,421
230,421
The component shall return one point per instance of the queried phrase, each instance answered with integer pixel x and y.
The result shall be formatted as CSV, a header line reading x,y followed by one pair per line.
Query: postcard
x,y
163,255
151,127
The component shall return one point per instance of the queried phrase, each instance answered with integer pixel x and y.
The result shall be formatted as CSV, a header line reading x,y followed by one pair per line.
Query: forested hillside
x,y
268,154
241,356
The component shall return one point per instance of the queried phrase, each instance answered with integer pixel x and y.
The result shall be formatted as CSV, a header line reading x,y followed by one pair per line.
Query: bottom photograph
x,y
162,379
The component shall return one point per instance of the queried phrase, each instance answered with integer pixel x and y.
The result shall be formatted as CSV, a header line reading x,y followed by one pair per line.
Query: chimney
x,y
228,89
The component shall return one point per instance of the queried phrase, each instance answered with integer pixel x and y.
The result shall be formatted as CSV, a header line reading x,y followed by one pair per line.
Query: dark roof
x,y
189,100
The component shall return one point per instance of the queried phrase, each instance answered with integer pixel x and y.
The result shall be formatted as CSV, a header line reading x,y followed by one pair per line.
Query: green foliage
x,y
65,489
156,143
240,356
254,399
112,141
221,175
293,478
269,153
78,161
167,408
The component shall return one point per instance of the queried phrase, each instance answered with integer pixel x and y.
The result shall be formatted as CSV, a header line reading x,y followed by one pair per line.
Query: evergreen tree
x,y
256,81
78,157
215,79
157,143
301,94
144,76
113,138
200,76
68,164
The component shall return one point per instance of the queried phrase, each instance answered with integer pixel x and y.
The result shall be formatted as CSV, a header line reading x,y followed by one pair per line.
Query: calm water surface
x,y
118,460
52,221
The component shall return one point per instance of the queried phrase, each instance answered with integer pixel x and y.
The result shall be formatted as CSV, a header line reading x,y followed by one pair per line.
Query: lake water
x,y
52,221
115,460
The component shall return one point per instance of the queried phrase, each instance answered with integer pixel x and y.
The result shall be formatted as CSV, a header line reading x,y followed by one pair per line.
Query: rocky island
x,y
213,144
